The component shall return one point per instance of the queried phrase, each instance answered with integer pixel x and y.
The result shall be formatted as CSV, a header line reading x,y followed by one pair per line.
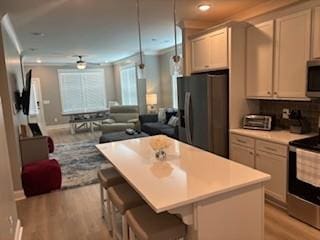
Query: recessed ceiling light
x,y
106,61
153,39
203,7
39,60
38,34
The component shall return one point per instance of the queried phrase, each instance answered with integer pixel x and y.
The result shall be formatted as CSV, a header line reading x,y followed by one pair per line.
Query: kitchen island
x,y
217,198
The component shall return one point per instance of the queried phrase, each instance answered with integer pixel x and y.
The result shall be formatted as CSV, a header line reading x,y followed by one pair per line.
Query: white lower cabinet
x,y
276,166
265,156
242,155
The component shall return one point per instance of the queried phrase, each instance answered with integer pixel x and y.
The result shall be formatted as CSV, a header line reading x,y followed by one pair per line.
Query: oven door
x,y
313,78
299,188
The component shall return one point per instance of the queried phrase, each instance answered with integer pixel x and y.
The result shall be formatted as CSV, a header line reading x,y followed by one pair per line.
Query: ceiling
x,y
104,30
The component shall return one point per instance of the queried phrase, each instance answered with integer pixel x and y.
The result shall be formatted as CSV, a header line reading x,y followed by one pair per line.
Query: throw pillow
x,y
169,115
162,115
173,121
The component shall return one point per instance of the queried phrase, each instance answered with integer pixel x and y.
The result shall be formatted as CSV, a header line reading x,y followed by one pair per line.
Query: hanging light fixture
x,y
141,65
176,58
81,64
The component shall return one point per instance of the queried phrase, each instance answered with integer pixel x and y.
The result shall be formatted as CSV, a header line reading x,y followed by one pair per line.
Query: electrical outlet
x,y
55,119
285,113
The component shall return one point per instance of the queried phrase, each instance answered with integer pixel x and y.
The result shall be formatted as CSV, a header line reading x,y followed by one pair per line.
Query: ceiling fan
x,y
81,64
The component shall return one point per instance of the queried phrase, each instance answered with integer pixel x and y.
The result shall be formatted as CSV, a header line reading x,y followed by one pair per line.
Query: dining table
x,y
217,199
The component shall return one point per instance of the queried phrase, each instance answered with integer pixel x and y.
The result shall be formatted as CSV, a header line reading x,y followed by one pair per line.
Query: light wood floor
x,y
75,214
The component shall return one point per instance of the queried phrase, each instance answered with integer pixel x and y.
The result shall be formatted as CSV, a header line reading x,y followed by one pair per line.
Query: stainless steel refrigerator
x,y
204,111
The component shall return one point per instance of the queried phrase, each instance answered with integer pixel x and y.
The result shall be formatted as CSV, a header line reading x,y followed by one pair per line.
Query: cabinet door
x,y
292,53
219,49
316,33
276,166
242,155
259,66
201,54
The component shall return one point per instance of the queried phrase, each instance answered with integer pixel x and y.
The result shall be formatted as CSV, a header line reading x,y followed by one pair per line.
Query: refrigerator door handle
x,y
187,117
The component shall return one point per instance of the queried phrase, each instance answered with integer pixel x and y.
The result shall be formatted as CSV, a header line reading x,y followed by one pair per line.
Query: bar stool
x,y
122,197
108,177
145,224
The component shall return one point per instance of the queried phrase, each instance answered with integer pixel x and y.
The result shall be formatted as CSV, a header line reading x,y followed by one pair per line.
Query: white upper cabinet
x,y
210,52
219,49
316,33
259,67
293,34
201,57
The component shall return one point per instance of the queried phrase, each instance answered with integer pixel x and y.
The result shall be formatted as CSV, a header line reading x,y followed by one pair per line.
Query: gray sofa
x,y
121,118
150,125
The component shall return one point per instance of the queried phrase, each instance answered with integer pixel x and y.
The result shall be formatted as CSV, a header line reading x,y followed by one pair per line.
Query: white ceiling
x,y
104,30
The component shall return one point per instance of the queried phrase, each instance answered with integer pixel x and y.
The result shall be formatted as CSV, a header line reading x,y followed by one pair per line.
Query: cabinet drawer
x,y
273,148
242,140
242,155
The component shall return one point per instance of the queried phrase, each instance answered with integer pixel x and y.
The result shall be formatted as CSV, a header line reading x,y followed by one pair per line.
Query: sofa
x,y
121,118
151,125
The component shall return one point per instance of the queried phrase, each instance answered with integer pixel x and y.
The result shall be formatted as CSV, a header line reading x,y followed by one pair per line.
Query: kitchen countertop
x,y
276,136
188,175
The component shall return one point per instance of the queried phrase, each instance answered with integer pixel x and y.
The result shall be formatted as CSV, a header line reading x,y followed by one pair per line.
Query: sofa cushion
x,y
170,132
154,128
124,117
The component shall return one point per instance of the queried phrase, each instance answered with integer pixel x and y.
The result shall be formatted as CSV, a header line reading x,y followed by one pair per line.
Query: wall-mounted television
x,y
23,100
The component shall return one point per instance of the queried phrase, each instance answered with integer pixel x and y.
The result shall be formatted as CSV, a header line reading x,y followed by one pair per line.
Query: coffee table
x,y
119,136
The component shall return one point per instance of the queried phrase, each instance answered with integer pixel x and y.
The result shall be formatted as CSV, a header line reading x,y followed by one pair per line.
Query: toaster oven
x,y
257,122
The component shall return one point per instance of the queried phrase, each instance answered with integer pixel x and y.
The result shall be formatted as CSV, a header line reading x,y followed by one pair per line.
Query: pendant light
x,y
176,58
141,65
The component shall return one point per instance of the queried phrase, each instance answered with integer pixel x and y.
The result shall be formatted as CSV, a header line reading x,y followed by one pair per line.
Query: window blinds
x,y
128,76
82,90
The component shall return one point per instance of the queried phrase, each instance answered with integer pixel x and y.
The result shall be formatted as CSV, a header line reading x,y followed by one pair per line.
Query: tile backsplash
x,y
309,110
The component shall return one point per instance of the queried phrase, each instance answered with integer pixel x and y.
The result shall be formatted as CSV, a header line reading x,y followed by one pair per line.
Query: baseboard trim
x,y
57,127
19,195
19,231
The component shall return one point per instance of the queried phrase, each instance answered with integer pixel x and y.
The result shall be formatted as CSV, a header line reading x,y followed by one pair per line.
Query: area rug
x,y
79,163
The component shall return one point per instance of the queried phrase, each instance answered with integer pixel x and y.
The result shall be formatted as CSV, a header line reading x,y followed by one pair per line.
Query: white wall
x,y
49,82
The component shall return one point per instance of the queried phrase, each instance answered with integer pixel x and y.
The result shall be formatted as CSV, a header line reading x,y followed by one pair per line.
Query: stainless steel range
x,y
303,197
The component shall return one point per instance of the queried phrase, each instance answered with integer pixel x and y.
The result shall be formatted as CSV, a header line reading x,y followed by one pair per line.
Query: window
x,y
82,90
34,100
128,77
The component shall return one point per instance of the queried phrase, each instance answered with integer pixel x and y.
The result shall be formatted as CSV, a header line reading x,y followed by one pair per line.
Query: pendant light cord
x,y
175,26
139,32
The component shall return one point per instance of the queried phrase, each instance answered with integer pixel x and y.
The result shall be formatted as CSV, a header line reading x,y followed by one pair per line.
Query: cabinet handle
x,y
269,93
275,93
257,155
206,66
251,153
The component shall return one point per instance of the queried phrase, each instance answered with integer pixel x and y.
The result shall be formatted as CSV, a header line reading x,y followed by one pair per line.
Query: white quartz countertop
x,y
276,136
188,175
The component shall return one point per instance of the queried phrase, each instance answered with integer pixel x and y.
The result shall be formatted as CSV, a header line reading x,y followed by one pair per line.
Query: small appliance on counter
x,y
298,124
313,78
258,122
